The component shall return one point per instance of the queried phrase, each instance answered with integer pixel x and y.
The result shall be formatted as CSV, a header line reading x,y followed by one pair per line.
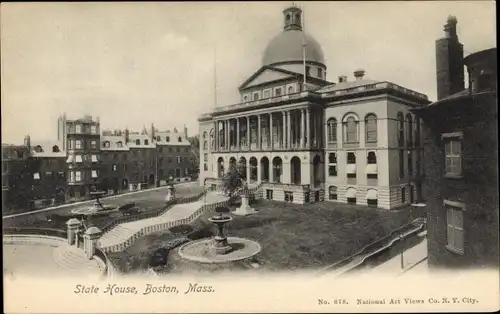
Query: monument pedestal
x,y
244,209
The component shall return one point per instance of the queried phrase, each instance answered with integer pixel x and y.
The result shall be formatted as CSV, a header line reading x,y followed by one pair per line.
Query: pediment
x,y
267,75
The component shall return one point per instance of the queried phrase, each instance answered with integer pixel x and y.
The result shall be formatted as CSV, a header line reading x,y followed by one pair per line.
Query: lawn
x,y
147,200
292,236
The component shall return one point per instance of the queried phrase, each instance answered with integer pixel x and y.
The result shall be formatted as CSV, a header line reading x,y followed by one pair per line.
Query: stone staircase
x,y
73,261
124,234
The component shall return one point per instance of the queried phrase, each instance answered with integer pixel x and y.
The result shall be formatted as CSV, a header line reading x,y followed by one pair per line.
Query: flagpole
x,y
215,77
304,44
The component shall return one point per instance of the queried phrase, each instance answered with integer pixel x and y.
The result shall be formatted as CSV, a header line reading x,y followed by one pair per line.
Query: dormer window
x,y
146,142
179,139
119,144
106,144
277,91
38,149
167,138
158,138
55,149
255,96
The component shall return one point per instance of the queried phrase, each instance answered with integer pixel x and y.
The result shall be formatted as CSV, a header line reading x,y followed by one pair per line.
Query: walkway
x,y
37,259
411,257
127,231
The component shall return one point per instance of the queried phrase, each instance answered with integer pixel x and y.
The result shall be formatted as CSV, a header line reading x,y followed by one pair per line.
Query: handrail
x,y
154,213
38,231
377,244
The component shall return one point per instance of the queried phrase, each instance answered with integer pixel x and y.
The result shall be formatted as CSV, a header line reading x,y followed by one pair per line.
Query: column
x,y
308,128
238,133
302,128
271,139
289,129
248,170
283,129
248,132
227,134
259,140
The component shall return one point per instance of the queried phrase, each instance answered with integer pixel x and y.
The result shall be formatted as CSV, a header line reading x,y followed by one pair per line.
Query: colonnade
x,y
287,129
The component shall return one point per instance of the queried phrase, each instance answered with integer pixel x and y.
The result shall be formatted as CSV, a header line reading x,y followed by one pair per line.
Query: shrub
x,y
181,229
204,232
221,210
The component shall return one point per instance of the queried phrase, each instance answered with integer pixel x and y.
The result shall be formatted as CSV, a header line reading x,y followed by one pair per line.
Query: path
x,y
126,231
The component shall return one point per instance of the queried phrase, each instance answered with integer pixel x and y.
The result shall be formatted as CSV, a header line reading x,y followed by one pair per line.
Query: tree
x,y
233,178
194,159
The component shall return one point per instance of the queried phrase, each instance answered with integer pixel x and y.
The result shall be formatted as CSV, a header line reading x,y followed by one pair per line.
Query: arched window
x,y
245,98
288,17
212,139
332,130
146,142
350,124
371,158
158,138
119,144
409,129
290,90
332,192
55,149
401,129
205,141
371,128
106,144
137,142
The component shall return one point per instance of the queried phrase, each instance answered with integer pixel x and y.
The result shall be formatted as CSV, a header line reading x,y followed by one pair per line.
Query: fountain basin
x,y
202,251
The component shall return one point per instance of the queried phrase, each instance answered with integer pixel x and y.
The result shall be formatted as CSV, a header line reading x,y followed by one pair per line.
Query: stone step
x,y
73,260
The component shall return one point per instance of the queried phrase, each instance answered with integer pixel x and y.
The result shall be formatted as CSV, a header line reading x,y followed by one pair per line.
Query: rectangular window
x,y
186,171
453,156
71,176
267,94
78,144
205,157
403,195
332,193
114,168
454,227
351,158
78,158
93,129
410,163
78,176
401,164
205,167
255,96
289,197
94,173
269,194
372,202
351,200
94,158
320,72
178,159
78,128
93,144
36,176
70,144
332,164
277,91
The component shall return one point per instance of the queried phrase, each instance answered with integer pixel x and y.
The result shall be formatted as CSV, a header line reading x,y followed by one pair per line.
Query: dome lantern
x,y
293,18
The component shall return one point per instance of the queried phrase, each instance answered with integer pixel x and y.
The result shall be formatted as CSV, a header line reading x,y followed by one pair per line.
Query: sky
x,y
133,64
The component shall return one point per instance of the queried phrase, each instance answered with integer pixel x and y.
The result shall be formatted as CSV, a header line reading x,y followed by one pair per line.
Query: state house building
x,y
354,141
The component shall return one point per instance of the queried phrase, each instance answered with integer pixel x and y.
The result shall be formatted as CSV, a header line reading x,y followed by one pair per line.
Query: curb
x,y
89,201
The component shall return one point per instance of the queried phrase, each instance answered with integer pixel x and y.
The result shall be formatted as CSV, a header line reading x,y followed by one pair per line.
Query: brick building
x,y
14,185
81,140
139,160
461,145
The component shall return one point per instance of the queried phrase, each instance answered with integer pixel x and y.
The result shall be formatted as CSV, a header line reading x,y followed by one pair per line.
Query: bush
x,y
221,209
204,232
181,229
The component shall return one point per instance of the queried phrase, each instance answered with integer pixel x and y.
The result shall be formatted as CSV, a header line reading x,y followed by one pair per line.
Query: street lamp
x,y
401,241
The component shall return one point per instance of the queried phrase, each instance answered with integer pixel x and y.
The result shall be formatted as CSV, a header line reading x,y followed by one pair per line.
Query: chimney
x,y
126,135
342,79
449,61
27,141
185,131
359,74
